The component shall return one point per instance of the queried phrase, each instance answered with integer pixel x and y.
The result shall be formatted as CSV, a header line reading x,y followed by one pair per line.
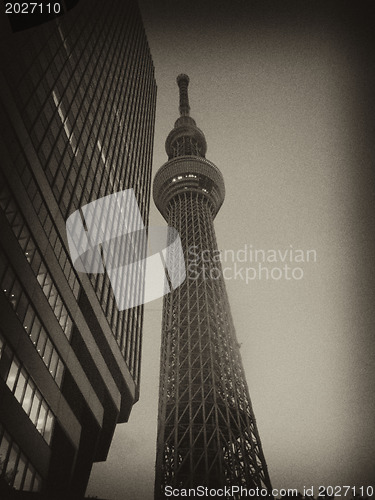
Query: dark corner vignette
x,y
25,15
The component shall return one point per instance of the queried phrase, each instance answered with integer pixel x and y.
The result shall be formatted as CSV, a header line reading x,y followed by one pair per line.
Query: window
x,y
15,468
30,398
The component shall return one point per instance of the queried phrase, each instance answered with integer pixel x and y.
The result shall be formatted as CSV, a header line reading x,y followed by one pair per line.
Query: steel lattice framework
x,y
207,433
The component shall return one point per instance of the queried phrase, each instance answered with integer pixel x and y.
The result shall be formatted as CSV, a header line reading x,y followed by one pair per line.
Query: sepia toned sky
x,y
284,94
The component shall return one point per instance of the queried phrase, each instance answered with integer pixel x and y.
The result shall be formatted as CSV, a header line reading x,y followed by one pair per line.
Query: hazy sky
x,y
284,94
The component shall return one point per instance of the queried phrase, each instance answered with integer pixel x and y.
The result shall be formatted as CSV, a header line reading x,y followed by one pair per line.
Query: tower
x,y
207,435
77,109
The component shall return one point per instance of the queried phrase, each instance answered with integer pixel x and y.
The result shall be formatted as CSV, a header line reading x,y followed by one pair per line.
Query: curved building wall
x,y
77,120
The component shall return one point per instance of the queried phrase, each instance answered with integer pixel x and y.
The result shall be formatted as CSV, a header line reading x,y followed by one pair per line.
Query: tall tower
x,y
207,433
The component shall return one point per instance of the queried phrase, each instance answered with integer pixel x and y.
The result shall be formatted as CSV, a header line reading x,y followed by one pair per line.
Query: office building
x,y
77,120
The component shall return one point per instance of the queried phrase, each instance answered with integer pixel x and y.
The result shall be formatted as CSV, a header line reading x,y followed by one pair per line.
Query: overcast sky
x,y
284,94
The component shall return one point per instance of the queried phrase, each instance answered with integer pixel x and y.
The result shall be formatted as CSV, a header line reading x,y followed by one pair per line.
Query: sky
x,y
284,94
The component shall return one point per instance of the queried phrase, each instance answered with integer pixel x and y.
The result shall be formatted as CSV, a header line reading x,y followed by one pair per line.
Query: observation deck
x,y
187,169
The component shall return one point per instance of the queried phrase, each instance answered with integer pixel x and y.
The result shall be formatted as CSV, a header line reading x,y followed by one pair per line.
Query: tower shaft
x,y
207,433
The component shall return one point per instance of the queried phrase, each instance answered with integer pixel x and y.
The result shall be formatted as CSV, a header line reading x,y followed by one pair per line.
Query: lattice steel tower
x,y
207,433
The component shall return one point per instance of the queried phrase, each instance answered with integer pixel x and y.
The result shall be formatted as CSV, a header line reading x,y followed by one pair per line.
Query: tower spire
x,y
183,83
185,139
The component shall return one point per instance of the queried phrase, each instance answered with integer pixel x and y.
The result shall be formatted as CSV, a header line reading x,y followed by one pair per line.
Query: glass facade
x,y
90,119
30,320
77,109
35,259
15,469
31,400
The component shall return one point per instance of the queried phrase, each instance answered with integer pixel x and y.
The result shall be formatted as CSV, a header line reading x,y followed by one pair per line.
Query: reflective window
x,y
30,398
15,469
26,313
